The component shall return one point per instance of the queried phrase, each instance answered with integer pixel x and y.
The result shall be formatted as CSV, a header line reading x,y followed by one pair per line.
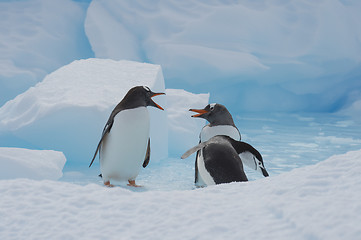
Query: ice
x,y
353,111
315,202
31,164
251,56
37,37
69,108
255,57
183,130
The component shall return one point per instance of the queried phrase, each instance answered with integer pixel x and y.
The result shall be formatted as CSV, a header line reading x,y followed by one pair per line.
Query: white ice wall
x,y
183,130
37,37
33,164
269,55
69,108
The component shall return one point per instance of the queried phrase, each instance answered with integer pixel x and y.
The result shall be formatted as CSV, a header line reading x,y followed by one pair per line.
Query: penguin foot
x,y
108,184
132,183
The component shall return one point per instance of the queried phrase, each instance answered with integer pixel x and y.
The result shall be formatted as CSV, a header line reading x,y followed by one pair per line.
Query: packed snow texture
x,y
67,111
37,37
320,201
31,164
251,55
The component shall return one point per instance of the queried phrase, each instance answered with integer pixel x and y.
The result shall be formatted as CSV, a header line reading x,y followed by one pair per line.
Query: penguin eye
x,y
212,106
146,88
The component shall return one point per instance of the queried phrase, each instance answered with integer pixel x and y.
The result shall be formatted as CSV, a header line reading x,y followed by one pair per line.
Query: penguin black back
x,y
220,157
223,163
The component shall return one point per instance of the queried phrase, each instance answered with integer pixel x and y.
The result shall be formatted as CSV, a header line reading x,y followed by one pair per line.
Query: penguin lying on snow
x,y
219,161
125,144
221,123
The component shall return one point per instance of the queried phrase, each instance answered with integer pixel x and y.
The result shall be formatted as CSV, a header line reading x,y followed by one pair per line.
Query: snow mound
x,y
183,131
314,202
69,108
33,164
37,37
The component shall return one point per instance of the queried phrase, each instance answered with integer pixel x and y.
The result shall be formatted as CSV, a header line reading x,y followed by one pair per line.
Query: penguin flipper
x,y
147,155
196,163
250,156
106,130
194,149
196,168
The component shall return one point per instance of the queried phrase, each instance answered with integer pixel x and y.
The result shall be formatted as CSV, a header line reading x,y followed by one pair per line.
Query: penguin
x,y
124,146
219,161
221,123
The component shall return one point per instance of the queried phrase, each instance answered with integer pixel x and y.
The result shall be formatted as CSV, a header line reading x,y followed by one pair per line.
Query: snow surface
x,y
31,164
67,111
251,55
314,202
37,37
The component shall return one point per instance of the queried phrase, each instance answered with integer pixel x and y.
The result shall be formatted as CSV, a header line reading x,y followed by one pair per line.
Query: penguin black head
x,y
140,96
215,114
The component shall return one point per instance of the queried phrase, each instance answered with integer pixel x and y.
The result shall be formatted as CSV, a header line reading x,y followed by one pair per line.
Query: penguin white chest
x,y
227,130
123,150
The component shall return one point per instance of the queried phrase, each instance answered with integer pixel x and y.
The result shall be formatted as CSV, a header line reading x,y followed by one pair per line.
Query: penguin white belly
x,y
123,150
204,178
228,130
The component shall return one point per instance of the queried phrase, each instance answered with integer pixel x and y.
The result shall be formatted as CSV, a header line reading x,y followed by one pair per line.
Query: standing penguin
x,y
219,161
221,123
125,144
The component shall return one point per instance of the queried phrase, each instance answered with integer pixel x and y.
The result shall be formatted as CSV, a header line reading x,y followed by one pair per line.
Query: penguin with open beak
x,y
221,123
124,146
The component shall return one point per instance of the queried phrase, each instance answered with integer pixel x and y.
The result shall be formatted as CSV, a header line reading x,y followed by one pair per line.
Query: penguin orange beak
x,y
199,111
154,103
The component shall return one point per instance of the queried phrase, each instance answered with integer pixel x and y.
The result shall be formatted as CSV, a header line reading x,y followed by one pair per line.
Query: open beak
x,y
199,111
154,104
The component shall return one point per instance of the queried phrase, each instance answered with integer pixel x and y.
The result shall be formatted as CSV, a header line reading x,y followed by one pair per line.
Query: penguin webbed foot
x,y
133,184
108,184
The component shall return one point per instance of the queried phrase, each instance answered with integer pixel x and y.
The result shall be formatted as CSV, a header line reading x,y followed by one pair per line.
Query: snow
x,y
37,37
31,164
320,201
269,55
69,108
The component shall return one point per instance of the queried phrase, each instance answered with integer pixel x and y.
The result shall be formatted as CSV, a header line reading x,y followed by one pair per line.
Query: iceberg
x,y
183,130
31,164
69,108
269,55
36,38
